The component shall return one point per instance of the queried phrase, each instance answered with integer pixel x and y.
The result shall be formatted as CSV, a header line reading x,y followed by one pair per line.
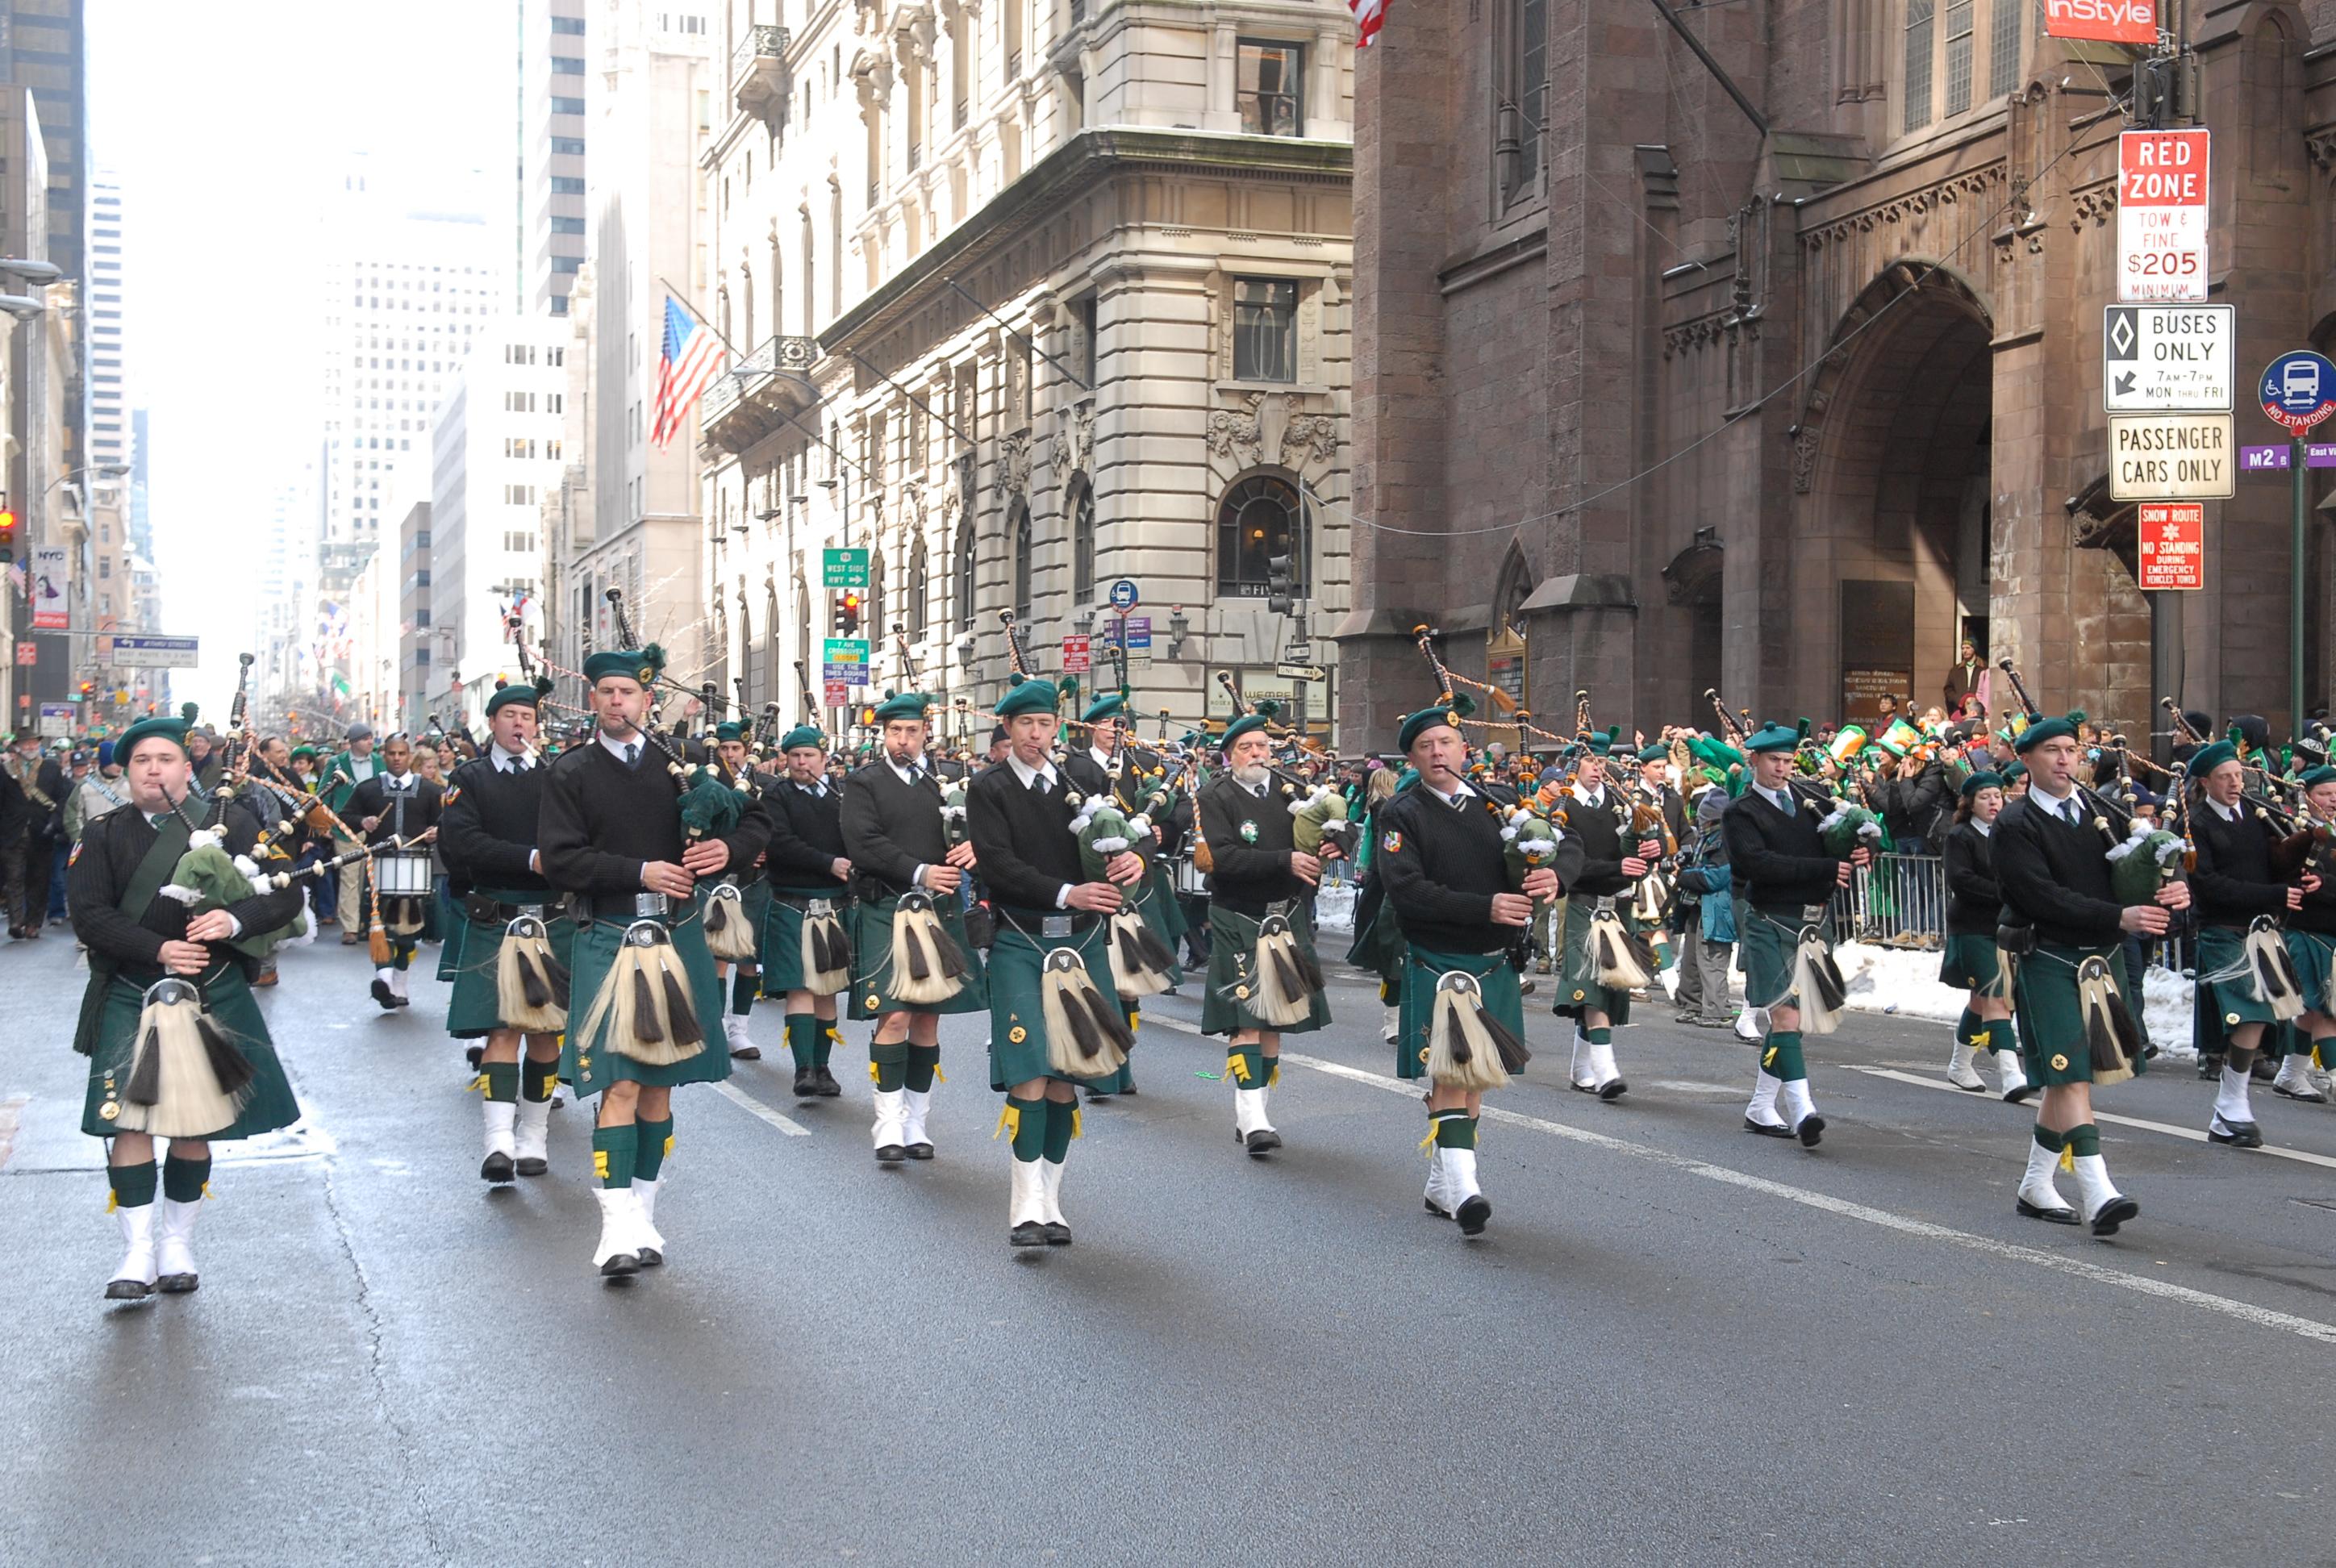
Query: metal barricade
x,y
1900,901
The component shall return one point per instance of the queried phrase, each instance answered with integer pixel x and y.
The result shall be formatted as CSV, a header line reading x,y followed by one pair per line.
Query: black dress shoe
x,y
1096,1095
1058,1233
747,1054
806,1085
403,1001
1613,1089
530,1165
1263,1141
2304,1096
2063,1216
620,1266
127,1290
1028,1234
1810,1132
1473,1213
920,1151
2210,1066
177,1284
383,995
1128,1087
2235,1134
1767,1129
1436,1209
890,1154
828,1087
2114,1214
496,1167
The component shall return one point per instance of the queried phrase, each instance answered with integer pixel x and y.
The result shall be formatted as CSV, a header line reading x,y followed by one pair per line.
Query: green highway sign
x,y
843,568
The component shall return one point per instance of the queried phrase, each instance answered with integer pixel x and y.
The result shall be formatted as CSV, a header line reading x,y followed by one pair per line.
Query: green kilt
x,y
870,926
1231,979
475,1010
2235,1001
1766,944
1969,963
227,997
2312,955
1578,991
1378,944
1017,1018
2053,1049
449,945
782,940
1421,970
1156,900
586,1063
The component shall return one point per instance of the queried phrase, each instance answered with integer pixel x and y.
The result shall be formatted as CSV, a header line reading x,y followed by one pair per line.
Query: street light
x,y
31,271
23,307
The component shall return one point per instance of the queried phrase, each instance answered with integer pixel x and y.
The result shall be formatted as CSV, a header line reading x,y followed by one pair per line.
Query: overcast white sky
x,y
224,124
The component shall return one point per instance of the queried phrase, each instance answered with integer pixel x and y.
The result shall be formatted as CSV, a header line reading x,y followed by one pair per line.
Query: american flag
x,y
1368,13
693,356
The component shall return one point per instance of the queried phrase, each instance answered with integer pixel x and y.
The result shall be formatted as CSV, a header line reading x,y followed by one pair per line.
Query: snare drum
x,y
402,873
1190,878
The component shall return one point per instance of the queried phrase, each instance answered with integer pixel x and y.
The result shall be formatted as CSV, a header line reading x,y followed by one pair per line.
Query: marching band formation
x,y
612,907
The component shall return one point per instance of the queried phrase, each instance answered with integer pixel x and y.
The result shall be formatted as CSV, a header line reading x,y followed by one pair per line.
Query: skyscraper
x,y
553,66
108,426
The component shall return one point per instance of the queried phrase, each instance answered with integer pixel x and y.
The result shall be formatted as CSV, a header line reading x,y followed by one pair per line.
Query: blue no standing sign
x,y
1123,596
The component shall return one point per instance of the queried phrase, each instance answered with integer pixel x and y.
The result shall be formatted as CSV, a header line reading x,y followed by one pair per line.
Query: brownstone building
x,y
1656,391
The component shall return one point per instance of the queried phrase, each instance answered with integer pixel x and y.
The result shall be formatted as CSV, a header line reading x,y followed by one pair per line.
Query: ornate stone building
x,y
1656,390
1027,298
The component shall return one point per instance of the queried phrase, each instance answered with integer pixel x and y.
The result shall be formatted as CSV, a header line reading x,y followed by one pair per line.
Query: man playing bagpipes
x,y
2241,890
2068,908
1112,768
347,770
510,950
177,1047
1264,980
629,838
1054,1019
741,976
806,944
1779,858
1461,904
913,960
1606,955
2312,944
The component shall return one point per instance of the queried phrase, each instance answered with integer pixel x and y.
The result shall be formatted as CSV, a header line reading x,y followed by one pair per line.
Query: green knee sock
x,y
540,1079
183,1179
1245,1065
1782,1058
1454,1129
1025,1121
1967,1029
1993,1034
743,988
614,1151
890,1061
2323,1050
502,1081
2045,1138
2082,1142
803,1035
828,1036
1599,1036
1062,1126
654,1141
1272,1070
924,1061
133,1185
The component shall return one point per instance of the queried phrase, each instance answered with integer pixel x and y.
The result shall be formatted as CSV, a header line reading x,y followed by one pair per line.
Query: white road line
x,y
1165,1021
760,1111
2141,1284
2168,1128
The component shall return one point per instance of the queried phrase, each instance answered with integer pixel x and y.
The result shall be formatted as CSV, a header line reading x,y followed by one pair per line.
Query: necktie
x,y
632,753
2069,810
1785,803
1038,785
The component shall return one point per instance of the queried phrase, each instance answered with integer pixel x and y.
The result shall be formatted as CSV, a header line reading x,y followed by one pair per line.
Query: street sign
x,y
155,652
1078,656
834,692
2171,457
46,588
2298,390
56,720
2173,539
2161,216
1136,628
1301,671
2263,459
28,653
2102,21
2170,358
1123,595
843,568
845,659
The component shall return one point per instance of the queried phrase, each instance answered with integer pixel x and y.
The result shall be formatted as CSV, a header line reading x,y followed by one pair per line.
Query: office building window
x,y
1261,517
1269,78
1265,329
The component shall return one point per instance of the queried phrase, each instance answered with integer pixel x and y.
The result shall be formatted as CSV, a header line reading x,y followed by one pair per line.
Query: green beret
x,y
173,730
1033,696
1110,705
2318,776
733,730
1982,781
634,664
505,695
2207,758
1256,718
1772,738
2012,773
304,751
803,735
2045,729
1603,745
1655,753
1425,719
911,704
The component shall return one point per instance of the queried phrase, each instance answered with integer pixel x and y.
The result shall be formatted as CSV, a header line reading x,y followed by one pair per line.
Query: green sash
x,y
153,871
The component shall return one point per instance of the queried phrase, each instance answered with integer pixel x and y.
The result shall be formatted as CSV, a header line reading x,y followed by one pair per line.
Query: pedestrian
x,y
1704,877
41,782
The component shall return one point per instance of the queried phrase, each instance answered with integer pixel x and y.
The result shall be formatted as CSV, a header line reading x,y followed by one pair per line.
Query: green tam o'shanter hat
x,y
730,729
173,730
1772,738
803,735
2041,730
1036,695
905,705
1258,718
2207,758
1449,712
506,695
1109,705
641,664
1982,781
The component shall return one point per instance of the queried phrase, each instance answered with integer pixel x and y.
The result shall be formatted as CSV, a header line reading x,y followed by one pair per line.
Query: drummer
x,y
397,808
805,867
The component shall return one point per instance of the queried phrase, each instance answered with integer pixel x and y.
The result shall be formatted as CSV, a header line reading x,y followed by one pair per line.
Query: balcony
x,y
756,397
758,75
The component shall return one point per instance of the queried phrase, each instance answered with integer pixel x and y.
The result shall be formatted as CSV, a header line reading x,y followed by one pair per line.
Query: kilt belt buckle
x,y
1812,914
527,912
527,923
651,907
1603,906
1054,928
818,908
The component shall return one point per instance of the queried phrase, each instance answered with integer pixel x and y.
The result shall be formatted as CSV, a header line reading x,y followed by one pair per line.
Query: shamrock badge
x,y
1249,832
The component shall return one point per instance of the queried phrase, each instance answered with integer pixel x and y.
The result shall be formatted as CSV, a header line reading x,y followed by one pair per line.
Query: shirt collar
x,y
617,747
2228,814
399,780
1460,792
511,761
2057,804
1025,774
1781,799
1103,758
817,786
1593,798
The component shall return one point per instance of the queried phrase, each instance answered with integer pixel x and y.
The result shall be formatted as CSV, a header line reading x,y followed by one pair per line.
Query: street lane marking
x,y
760,1111
1178,1024
2192,1133
2244,1312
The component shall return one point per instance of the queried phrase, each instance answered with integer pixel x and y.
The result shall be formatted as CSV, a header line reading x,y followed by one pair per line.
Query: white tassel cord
x,y
1286,980
729,935
2277,985
187,1080
1817,987
1088,1035
1139,961
1466,1044
645,1001
926,967
530,988
826,956
2110,1037
1621,963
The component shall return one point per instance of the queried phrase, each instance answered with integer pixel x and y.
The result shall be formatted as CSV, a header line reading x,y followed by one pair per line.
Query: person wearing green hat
x,y
489,834
611,834
1788,878
1972,963
396,810
1443,861
742,978
807,868
2064,923
1615,859
138,940
347,770
2303,1073
1053,999
909,878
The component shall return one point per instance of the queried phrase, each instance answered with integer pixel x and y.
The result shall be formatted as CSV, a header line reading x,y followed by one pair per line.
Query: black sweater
x,y
1974,902
806,837
111,849
1441,866
1023,841
487,827
601,822
2055,876
891,828
2233,883
375,798
1779,863
1603,831
1250,871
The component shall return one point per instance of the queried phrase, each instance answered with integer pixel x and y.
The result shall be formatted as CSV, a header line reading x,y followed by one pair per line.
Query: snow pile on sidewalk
x,y
1334,908
1904,981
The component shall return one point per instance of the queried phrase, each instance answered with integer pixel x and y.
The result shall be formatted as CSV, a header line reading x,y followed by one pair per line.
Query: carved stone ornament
x,y
1082,437
1308,438
1013,461
1235,434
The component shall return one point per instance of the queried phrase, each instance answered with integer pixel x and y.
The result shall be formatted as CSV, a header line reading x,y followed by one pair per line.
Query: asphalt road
x,y
1676,1344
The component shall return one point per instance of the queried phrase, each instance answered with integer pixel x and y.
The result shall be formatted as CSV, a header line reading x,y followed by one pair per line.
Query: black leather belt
x,y
1032,922
479,907
626,908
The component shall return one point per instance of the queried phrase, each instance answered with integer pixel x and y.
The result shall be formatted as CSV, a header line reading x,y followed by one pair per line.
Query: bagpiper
x,y
806,941
510,949
1604,957
347,770
912,961
1971,962
741,977
612,836
1443,862
1264,978
1054,1022
2312,945
178,1049
396,808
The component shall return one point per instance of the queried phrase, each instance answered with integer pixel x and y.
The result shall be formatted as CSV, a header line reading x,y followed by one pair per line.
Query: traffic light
x,y
88,690
847,612
1281,586
7,534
